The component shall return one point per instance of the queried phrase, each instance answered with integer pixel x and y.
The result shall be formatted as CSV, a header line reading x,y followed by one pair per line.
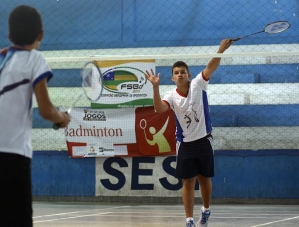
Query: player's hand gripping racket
x,y
92,85
272,28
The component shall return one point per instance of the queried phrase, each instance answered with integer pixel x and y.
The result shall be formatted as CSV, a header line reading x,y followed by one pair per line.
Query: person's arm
x,y
45,106
215,62
159,105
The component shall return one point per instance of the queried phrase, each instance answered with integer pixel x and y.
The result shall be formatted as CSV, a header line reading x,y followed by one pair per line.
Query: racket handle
x,y
236,39
55,126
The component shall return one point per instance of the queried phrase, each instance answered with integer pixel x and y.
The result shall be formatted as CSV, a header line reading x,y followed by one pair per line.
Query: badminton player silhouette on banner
x,y
158,137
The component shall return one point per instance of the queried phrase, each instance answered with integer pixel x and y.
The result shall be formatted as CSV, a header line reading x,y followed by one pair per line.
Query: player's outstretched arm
x,y
155,80
215,62
46,108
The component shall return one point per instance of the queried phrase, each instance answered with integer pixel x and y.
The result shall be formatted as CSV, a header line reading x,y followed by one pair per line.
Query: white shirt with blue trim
x,y
192,111
18,77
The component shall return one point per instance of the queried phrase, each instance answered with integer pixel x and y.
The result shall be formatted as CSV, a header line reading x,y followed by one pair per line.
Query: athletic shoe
x,y
190,223
203,221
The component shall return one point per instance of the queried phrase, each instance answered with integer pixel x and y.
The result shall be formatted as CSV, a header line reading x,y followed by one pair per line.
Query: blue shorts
x,y
195,158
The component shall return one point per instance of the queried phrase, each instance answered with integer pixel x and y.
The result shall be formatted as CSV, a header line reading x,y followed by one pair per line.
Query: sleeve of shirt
x,y
168,99
41,69
200,81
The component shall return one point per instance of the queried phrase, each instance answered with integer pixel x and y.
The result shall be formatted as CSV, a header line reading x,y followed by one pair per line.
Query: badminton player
x,y
195,155
23,72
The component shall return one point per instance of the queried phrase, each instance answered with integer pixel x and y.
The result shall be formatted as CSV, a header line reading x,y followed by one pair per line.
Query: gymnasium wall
x,y
77,25
256,151
246,176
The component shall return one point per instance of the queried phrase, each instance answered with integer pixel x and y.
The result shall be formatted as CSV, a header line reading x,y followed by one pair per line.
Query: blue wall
x,y
256,174
54,173
238,174
77,24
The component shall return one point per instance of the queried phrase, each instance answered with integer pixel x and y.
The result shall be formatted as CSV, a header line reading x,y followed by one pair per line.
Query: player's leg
x,y
185,171
206,170
206,192
188,195
15,191
188,199
205,184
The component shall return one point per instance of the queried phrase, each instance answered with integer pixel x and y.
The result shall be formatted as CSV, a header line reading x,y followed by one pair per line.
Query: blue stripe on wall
x,y
229,74
225,74
232,116
54,173
254,115
238,174
65,78
256,174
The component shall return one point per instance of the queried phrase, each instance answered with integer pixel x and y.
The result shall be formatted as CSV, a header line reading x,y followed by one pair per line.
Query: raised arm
x,y
215,62
159,105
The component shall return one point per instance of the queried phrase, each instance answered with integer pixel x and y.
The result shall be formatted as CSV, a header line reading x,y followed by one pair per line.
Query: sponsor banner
x,y
125,85
131,132
139,176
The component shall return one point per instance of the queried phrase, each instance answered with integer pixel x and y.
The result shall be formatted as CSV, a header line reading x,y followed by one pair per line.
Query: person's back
x,y
23,72
17,83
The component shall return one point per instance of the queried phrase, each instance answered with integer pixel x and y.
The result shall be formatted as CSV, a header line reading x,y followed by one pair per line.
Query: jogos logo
x,y
155,132
94,115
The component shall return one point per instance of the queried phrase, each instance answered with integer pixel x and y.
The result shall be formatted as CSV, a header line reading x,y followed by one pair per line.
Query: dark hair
x,y
25,24
180,64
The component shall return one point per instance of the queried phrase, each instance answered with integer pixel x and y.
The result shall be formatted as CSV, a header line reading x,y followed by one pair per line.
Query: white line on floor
x,y
269,223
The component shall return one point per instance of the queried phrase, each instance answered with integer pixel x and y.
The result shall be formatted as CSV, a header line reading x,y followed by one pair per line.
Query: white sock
x,y
188,219
205,209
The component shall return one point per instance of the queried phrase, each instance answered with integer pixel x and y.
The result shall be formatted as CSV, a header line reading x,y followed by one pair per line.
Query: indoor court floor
x,y
53,214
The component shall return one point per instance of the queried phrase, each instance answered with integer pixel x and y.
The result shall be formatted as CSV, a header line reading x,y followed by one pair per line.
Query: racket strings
x,y
277,27
92,81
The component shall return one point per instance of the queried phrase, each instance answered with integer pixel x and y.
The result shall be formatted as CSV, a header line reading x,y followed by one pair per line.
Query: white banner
x,y
120,132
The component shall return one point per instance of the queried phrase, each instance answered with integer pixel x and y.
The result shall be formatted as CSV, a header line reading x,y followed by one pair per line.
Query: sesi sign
x,y
137,176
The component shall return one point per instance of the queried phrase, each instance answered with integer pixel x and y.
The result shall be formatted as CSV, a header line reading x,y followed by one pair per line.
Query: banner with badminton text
x,y
125,132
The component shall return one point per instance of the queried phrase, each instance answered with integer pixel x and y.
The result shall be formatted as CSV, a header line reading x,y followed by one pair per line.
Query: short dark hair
x,y
25,24
180,64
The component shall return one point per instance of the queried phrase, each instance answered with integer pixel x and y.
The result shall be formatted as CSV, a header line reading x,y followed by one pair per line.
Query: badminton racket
x,y
92,85
272,28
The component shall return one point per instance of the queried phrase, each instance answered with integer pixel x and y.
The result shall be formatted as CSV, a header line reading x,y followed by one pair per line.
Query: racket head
x,y
92,85
143,124
92,81
276,27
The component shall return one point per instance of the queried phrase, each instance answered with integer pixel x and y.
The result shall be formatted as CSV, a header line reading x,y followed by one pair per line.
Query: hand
x,y
155,80
224,45
66,120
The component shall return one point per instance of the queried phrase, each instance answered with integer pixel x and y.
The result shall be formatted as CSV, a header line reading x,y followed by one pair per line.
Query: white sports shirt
x,y
20,74
192,111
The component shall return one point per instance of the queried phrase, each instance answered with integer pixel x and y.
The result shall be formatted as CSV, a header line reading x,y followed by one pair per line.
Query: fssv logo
x,y
123,80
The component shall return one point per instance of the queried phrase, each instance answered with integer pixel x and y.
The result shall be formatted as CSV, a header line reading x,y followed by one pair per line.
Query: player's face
x,y
180,75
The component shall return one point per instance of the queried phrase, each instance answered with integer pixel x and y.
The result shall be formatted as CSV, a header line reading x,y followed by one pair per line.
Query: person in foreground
x,y
195,155
23,72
